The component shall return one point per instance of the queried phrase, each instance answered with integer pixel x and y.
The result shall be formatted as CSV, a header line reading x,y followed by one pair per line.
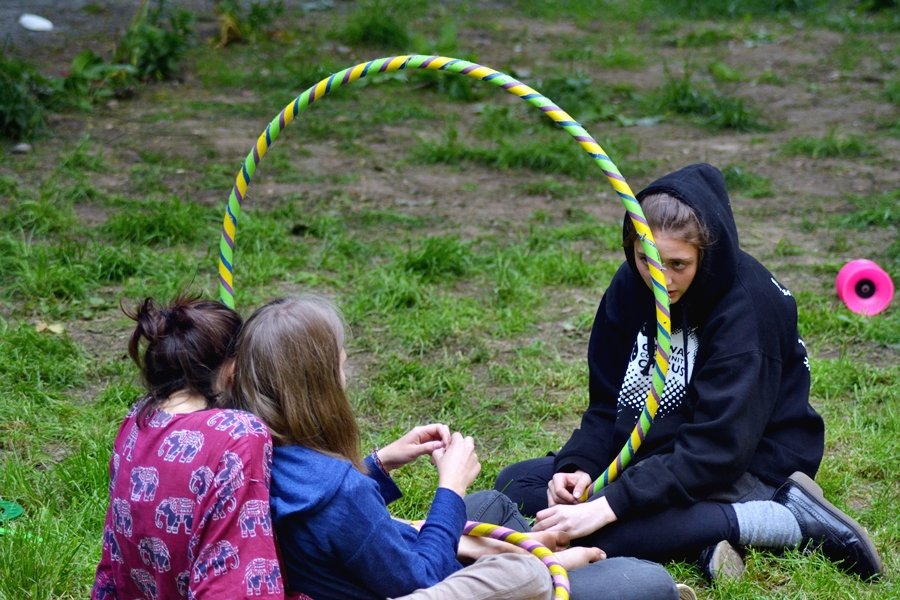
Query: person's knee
x,y
531,576
655,580
625,578
490,506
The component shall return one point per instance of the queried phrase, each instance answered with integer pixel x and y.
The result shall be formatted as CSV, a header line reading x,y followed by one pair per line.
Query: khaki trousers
x,y
505,576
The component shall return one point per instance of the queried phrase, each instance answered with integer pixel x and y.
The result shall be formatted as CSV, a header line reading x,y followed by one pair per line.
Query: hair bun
x,y
179,316
151,320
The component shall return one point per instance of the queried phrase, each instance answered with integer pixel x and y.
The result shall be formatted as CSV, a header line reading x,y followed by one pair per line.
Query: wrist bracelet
x,y
378,462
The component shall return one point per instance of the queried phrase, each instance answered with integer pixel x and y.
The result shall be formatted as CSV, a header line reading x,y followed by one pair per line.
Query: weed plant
x,y
156,41
22,110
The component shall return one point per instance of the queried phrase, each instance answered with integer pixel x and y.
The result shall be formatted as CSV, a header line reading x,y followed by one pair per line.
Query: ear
x,y
225,375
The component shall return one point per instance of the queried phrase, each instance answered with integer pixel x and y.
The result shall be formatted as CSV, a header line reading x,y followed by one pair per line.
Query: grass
x,y
467,239
833,144
684,96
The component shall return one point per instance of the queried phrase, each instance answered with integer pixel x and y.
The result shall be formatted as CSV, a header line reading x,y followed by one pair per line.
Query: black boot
x,y
823,526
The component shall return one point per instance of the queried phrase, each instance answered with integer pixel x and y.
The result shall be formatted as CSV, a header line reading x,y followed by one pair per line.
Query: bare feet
x,y
579,556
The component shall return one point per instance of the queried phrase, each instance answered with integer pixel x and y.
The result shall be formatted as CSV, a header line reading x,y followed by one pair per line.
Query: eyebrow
x,y
643,254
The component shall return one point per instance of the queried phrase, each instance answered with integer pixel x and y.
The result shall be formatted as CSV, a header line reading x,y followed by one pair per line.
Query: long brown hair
x,y
187,342
288,373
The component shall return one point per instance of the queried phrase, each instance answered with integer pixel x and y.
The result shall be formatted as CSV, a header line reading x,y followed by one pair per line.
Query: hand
x,y
457,464
567,488
579,556
578,520
421,440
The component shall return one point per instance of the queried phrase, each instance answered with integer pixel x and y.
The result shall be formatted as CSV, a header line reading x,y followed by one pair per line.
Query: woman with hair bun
x,y
188,513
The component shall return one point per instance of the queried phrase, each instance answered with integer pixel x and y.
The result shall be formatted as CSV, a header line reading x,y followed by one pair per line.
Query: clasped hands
x,y
566,513
452,453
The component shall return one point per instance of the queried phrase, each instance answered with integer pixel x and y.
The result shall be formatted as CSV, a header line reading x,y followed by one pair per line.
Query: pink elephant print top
x,y
188,510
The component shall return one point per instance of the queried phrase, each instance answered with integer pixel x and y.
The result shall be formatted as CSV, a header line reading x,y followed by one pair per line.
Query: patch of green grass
x,y
582,11
619,53
172,221
785,247
498,122
81,158
700,38
828,325
723,73
892,91
875,210
439,259
550,187
42,216
580,227
559,155
38,362
35,271
740,180
735,9
375,23
577,95
769,77
851,52
831,145
682,95
60,277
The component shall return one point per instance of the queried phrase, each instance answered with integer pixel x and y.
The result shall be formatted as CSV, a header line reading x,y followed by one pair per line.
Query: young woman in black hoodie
x,y
730,458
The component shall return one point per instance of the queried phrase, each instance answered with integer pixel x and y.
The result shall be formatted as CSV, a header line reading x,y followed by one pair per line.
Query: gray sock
x,y
767,524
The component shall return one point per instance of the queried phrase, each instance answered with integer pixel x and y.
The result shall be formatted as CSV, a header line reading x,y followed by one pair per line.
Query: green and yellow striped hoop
x,y
545,105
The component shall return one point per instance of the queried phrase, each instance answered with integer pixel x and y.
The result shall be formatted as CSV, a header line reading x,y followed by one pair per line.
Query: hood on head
x,y
702,187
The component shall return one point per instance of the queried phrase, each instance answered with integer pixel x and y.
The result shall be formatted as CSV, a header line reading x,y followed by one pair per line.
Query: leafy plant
x,y
22,94
156,41
91,79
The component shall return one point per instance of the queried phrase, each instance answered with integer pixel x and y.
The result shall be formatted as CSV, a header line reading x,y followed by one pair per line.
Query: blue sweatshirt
x,y
738,398
337,538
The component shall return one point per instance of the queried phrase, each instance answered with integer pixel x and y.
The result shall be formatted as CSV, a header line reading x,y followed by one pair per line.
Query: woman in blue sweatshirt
x,y
731,455
336,536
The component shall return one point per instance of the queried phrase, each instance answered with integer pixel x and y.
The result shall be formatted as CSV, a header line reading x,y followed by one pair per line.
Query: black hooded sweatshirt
x,y
741,396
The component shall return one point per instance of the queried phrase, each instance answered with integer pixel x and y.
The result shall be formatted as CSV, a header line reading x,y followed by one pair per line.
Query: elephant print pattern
x,y
189,510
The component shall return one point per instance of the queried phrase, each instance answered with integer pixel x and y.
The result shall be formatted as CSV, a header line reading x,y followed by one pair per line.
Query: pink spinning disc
x,y
864,287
